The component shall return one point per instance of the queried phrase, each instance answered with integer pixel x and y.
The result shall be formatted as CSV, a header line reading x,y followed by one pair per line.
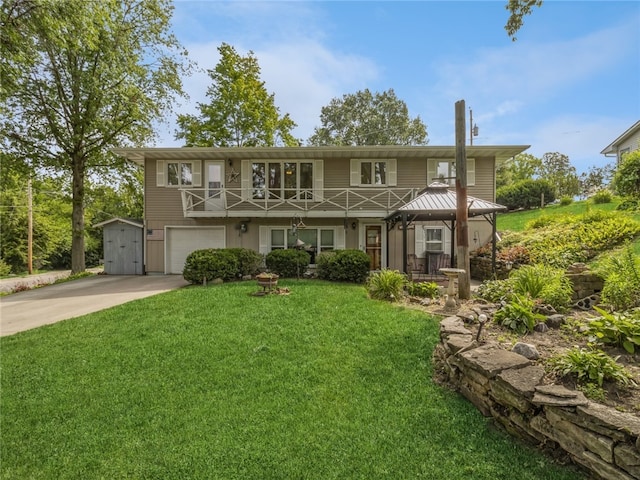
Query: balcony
x,y
329,202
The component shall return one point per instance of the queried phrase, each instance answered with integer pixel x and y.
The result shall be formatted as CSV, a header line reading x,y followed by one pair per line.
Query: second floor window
x,y
179,174
373,173
282,180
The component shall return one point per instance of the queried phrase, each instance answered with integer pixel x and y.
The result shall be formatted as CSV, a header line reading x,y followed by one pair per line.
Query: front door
x,y
213,176
373,245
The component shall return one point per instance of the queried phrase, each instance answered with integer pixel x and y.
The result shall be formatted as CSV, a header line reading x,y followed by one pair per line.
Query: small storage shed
x,y
123,246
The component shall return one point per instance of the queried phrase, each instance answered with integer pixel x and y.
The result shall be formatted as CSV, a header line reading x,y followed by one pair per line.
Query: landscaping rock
x,y
526,350
555,321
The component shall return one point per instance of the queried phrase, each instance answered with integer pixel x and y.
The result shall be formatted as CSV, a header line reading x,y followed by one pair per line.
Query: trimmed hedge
x,y
209,264
249,261
525,194
343,266
288,263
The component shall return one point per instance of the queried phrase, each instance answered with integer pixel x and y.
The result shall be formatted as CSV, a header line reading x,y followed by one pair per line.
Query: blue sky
x,y
569,84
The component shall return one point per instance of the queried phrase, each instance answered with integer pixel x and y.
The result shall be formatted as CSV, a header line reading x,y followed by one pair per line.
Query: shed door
x,y
123,250
181,241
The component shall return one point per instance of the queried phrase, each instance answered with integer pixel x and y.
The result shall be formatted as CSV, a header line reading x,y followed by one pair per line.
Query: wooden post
x,y
462,215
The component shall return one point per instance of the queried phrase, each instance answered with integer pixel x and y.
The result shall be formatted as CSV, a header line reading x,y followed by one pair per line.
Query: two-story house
x,y
316,198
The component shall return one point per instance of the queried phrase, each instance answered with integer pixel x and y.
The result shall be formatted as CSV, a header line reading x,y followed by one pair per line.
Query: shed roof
x,y
135,223
438,202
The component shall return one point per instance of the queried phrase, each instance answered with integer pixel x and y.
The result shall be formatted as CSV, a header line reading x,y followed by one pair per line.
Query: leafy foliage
x,y
615,329
595,179
241,113
590,365
626,180
364,118
525,194
495,290
558,171
86,77
5,269
621,288
209,264
386,285
518,314
423,289
288,263
542,283
249,261
567,239
566,200
343,266
523,166
518,10
602,196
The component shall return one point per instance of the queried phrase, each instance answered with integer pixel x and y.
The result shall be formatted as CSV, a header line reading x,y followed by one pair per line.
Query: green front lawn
x,y
212,383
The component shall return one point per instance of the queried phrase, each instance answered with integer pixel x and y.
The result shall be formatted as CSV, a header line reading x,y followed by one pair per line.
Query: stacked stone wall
x,y
508,387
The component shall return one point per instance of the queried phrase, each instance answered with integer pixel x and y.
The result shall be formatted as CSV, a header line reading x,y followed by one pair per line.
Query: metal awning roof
x,y
438,202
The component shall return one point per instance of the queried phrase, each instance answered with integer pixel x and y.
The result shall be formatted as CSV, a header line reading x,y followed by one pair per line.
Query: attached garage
x,y
123,244
181,241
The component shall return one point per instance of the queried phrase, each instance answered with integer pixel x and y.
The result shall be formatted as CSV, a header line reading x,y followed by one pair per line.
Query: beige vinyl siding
x,y
485,180
412,173
160,202
336,173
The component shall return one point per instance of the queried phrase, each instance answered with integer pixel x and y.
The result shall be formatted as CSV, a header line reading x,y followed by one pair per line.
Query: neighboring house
x,y
281,197
625,143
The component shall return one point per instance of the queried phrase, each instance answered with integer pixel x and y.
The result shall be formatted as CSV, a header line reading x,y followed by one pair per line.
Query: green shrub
x,y
590,365
575,238
525,194
518,315
495,290
209,264
602,196
249,261
386,285
4,268
566,200
423,289
343,266
288,263
629,204
543,283
541,222
620,330
621,288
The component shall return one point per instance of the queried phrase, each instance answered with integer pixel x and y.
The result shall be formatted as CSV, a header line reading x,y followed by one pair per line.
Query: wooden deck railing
x,y
347,202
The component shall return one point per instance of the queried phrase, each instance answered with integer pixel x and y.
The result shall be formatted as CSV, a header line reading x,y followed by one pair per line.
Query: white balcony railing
x,y
344,202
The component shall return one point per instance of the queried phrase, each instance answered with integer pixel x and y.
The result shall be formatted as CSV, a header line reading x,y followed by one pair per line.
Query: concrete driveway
x,y
42,306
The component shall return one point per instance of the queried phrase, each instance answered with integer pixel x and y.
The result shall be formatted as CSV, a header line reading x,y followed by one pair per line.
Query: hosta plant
x,y
518,315
590,365
423,289
618,329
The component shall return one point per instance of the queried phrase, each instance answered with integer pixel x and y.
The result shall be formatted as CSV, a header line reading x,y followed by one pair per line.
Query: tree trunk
x,y
77,216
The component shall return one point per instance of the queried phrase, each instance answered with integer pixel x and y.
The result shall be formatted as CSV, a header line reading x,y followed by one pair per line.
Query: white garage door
x,y
181,241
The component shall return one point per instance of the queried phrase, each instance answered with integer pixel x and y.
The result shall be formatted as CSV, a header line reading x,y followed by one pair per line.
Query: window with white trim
x,y
444,171
373,173
282,180
179,174
433,239
311,240
174,173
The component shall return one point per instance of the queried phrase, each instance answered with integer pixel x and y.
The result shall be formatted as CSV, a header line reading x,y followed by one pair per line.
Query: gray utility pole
x,y
462,215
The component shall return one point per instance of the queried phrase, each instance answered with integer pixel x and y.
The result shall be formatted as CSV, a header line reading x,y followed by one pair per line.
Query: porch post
x,y
453,243
404,242
494,234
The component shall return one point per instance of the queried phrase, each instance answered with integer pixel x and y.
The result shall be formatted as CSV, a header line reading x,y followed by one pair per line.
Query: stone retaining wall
x,y
508,387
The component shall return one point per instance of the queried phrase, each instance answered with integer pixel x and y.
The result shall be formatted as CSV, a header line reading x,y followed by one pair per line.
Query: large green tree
x,y
241,113
364,118
85,76
557,170
523,166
